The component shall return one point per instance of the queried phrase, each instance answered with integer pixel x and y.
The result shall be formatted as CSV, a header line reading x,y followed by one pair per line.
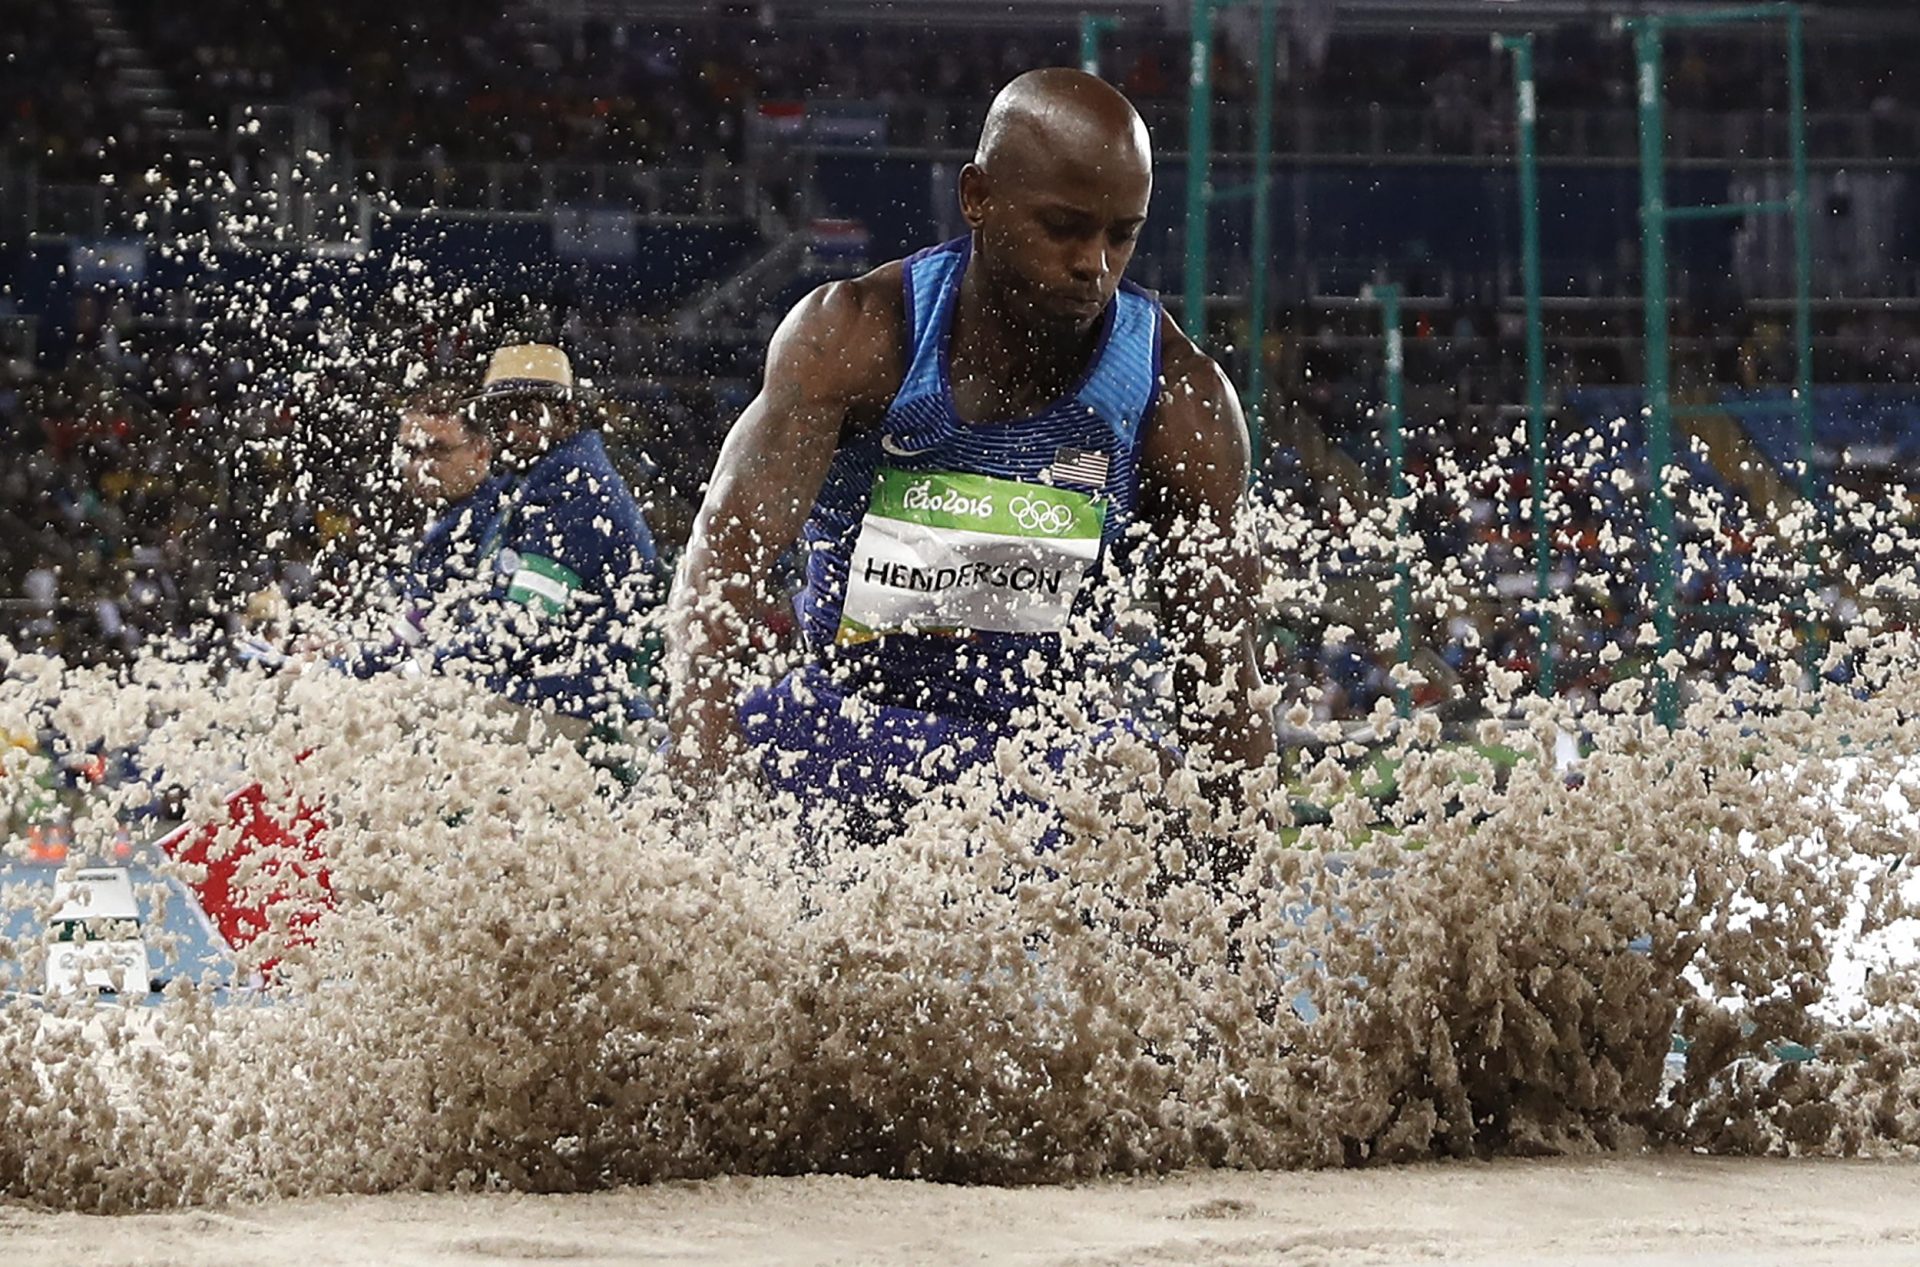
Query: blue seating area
x,y
1616,416
1880,425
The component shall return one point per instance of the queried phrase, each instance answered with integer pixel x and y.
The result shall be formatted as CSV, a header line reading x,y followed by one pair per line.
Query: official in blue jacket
x,y
538,575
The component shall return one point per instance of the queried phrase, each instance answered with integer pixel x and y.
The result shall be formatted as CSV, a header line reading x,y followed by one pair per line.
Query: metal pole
x,y
1093,27
1262,228
1529,169
1659,407
1721,16
1654,215
1387,295
1199,155
1803,312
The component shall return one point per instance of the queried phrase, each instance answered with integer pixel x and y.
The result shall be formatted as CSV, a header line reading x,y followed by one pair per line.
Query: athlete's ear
x,y
975,191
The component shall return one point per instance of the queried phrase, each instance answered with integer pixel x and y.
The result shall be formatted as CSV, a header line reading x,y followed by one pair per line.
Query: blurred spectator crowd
x,y
163,475
466,81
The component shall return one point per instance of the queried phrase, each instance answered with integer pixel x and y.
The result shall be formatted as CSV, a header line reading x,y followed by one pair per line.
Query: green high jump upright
x,y
1255,403
1528,164
1193,308
1655,215
1394,422
1201,194
1093,29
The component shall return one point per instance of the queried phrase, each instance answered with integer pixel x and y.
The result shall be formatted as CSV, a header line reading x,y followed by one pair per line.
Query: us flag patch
x,y
1086,467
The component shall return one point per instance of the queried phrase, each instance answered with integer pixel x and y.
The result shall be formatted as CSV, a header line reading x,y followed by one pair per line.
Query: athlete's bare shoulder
x,y
1189,375
843,342
1196,445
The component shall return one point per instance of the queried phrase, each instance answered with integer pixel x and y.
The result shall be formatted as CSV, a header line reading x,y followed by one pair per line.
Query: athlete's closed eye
x,y
1060,224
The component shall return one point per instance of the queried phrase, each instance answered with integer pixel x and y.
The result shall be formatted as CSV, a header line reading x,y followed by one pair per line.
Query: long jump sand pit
x,y
533,980
1658,1209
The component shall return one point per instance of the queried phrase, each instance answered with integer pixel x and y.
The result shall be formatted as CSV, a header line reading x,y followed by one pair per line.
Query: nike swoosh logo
x,y
898,450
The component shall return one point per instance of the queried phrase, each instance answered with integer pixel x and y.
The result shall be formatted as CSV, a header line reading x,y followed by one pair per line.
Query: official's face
x,y
440,459
524,425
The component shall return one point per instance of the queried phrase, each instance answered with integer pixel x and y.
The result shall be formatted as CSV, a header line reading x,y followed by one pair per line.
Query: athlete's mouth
x,y
1082,306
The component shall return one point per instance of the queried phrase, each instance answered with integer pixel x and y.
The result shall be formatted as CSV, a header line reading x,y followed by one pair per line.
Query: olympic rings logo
x,y
1049,518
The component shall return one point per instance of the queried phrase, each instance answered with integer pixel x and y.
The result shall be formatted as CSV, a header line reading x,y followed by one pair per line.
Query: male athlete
x,y
961,440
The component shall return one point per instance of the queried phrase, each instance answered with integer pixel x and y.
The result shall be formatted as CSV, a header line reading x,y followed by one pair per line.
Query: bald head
x,y
1055,196
1047,118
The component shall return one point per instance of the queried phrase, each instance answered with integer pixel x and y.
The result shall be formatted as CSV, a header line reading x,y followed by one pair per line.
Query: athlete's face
x,y
1056,238
440,458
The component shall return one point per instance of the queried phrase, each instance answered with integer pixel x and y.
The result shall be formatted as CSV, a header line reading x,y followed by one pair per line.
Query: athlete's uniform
x,y
945,559
536,585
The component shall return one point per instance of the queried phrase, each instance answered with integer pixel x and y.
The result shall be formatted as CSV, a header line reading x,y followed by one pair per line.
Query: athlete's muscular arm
x,y
1193,484
836,355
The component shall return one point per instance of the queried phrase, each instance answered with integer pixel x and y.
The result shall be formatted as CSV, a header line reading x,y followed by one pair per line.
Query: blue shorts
x,y
866,762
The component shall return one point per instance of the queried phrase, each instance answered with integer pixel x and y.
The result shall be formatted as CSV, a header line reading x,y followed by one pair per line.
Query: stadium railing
x,y
1380,131
99,210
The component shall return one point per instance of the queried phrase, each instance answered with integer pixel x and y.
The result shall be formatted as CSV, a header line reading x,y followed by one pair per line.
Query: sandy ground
x,y
1701,1212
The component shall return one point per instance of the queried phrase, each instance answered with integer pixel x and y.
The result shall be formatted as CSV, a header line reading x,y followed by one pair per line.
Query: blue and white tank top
x,y
941,554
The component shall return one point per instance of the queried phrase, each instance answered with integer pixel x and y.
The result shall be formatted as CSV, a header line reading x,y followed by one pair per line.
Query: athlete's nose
x,y
1089,264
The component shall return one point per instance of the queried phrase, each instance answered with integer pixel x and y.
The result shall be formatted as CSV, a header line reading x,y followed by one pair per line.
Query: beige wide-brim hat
x,y
528,369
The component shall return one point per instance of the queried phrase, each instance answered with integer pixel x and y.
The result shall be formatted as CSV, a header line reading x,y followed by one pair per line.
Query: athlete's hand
x,y
837,352
704,748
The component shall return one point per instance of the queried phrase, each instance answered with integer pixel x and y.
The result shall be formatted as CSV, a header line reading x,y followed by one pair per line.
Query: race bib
x,y
942,552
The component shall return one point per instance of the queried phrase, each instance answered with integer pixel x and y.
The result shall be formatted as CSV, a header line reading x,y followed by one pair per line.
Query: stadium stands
x,y
55,117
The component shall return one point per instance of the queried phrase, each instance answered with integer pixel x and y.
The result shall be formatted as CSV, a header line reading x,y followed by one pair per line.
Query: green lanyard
x,y
490,543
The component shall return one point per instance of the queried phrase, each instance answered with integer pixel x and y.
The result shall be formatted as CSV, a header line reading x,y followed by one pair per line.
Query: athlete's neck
x,y
1002,367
